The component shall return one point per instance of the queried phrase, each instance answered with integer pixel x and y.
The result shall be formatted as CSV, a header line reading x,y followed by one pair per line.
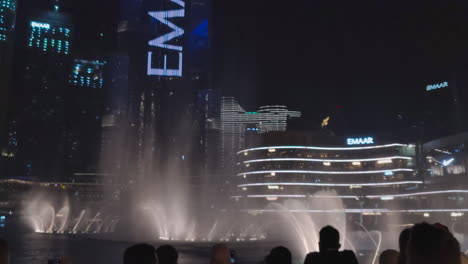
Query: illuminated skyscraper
x,y
236,123
49,37
7,29
7,19
42,75
84,116
444,100
87,73
160,66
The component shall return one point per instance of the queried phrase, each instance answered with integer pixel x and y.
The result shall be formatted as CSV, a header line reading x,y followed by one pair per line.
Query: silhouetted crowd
x,y
421,244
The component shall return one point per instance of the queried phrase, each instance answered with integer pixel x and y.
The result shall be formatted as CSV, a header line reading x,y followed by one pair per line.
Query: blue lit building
x,y
84,114
163,63
49,37
42,71
87,73
7,29
7,19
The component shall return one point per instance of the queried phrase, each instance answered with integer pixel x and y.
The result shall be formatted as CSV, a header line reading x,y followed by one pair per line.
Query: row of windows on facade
x,y
318,155
49,38
10,4
50,46
348,164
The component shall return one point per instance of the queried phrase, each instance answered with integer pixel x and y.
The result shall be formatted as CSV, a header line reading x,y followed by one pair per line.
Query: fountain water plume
x,y
82,213
62,217
301,223
44,215
211,233
92,221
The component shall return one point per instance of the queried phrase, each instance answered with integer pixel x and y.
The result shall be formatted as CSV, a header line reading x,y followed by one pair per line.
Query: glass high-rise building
x,y
49,37
7,19
237,124
87,73
161,64
84,111
7,29
41,91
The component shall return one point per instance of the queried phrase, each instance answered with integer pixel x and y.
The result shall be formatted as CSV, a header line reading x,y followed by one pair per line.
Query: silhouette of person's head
x,y
279,255
167,254
402,243
220,254
329,239
140,254
431,244
389,256
4,252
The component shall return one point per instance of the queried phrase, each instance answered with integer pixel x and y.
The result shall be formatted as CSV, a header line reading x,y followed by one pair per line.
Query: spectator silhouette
x,y
432,244
402,243
140,254
279,255
220,254
4,252
389,256
329,246
167,254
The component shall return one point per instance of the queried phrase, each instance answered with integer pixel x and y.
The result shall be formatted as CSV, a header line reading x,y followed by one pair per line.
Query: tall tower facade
x,y
84,116
161,60
42,71
7,30
237,124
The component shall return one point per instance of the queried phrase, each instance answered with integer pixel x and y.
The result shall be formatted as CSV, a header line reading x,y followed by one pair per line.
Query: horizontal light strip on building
x,y
350,196
327,160
358,211
324,148
417,193
321,172
297,196
329,184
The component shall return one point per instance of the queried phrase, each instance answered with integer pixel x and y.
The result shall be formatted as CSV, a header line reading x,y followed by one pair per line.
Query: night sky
x,y
369,61
364,62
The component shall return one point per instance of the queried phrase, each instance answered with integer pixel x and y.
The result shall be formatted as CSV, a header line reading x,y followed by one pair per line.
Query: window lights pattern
x,y
88,73
7,18
49,38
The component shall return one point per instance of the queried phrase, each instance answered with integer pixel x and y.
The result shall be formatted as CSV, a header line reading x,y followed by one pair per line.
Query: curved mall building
x,y
369,178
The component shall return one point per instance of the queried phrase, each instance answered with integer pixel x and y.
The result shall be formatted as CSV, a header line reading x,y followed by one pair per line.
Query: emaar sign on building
x,y
360,141
161,42
436,86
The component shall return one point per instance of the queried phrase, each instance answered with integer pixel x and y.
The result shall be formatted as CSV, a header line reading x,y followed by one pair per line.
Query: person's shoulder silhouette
x,y
279,255
140,254
339,257
329,246
167,254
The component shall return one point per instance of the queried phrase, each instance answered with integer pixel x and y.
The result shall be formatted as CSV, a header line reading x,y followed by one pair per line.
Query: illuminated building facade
x,y
87,73
41,92
447,161
375,179
281,172
49,37
84,116
160,68
7,19
7,29
444,110
236,123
